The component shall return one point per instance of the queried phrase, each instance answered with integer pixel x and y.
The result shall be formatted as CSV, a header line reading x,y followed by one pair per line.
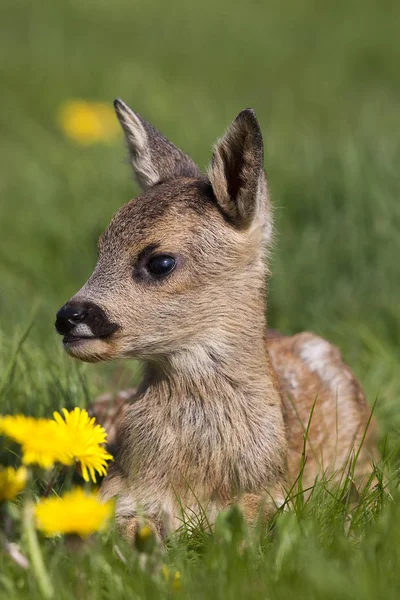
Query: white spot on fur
x,y
323,359
315,352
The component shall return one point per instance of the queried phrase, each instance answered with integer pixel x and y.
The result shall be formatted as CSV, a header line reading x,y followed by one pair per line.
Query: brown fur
x,y
221,412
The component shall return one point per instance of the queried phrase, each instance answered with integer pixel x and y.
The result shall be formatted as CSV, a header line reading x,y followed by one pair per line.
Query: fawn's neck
x,y
228,359
216,413
213,409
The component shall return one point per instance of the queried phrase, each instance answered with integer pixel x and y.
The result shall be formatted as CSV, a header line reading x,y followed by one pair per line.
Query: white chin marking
x,y
89,349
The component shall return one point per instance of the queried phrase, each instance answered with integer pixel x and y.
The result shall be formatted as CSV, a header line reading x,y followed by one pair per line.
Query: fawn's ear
x,y
153,157
237,172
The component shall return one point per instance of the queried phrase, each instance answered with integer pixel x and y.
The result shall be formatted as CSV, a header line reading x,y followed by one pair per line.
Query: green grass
x,y
324,78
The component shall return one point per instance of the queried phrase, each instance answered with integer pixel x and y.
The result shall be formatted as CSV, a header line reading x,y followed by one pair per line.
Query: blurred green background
x,y
324,79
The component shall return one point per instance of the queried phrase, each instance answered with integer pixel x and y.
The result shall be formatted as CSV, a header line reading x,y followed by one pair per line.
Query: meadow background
x,y
324,79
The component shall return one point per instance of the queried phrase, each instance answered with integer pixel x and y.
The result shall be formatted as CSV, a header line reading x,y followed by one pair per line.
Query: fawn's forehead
x,y
171,209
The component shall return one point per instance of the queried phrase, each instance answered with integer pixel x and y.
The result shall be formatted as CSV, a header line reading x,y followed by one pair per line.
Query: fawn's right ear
x,y
153,157
237,174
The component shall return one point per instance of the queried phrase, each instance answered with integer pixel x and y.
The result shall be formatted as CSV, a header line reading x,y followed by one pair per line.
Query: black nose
x,y
68,316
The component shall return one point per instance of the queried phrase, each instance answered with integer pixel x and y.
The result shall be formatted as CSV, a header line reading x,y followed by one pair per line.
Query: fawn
x,y
180,283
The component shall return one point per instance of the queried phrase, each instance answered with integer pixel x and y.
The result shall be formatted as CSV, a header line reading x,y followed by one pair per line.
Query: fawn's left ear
x,y
237,172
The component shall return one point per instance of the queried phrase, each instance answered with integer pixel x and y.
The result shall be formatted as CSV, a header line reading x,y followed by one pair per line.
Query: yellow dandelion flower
x,y
76,513
173,578
39,439
45,446
145,532
12,482
88,122
17,427
83,441
145,539
47,441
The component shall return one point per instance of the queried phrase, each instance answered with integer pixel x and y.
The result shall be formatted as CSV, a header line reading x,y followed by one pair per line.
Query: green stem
x,y
51,481
35,553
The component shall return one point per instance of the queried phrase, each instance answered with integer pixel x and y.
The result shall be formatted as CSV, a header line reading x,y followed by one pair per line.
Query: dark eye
x,y
161,264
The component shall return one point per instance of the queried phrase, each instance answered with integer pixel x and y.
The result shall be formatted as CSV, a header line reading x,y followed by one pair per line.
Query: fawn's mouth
x,y
74,340
88,348
70,339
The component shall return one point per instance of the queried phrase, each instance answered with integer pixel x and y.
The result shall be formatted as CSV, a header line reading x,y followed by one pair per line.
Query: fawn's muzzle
x,y
85,320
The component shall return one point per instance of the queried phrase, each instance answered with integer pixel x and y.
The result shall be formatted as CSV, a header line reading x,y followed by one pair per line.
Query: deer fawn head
x,y
182,265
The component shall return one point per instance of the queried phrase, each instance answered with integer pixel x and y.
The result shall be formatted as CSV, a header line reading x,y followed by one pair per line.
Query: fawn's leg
x,y
260,508
128,525
133,526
